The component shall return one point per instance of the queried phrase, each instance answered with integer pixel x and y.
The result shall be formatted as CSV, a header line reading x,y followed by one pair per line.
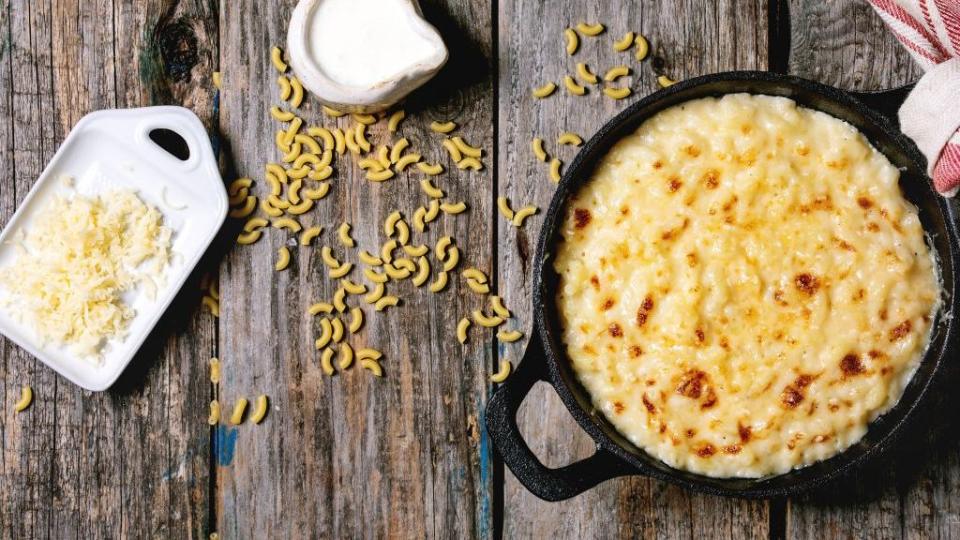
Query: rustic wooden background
x,y
403,456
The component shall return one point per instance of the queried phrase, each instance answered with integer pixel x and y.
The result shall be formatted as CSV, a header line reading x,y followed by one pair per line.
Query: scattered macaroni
x,y
281,115
365,119
261,409
248,207
570,138
466,149
355,289
356,319
403,232
325,135
305,205
372,366
432,170
555,174
342,270
537,146
454,208
615,73
254,224
394,122
617,93
380,176
26,398
572,86
376,294
287,223
215,370
276,57
326,333
443,127
390,224
297,98
586,75
346,356
375,276
474,274
217,79
462,327
283,259
505,368
452,149
479,288
665,81
423,274
370,164
522,214
509,337
386,301
326,254
344,233
496,304
486,321
320,307
214,417
624,43
440,283
340,139
395,272
504,206
573,41
433,210
453,258
545,91
361,137
416,251
398,148
368,354
407,160
285,89
590,29
383,156
309,235
367,258
330,111
431,190
240,407
311,144
211,304
340,296
245,239
326,363
470,163
337,327
643,47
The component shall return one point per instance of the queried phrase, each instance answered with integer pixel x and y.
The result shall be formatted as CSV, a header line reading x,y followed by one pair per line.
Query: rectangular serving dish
x,y
113,149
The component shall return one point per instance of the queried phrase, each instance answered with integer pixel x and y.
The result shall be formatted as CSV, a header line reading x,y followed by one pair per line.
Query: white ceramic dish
x,y
113,149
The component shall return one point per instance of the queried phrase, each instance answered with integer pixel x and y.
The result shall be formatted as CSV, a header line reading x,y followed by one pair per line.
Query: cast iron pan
x,y
545,358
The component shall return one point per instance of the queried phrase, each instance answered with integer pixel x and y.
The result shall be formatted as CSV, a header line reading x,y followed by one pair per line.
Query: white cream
x,y
362,42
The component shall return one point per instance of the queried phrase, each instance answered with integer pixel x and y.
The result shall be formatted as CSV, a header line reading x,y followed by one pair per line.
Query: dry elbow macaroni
x,y
462,327
586,75
590,29
500,376
26,398
260,411
624,43
236,417
545,90
573,41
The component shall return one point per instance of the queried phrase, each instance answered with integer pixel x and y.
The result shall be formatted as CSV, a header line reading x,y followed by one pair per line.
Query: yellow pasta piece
x,y
545,91
326,254
356,320
312,146
623,43
368,354
361,137
326,334
260,411
243,211
326,362
346,356
276,187
617,93
383,156
453,258
349,136
509,336
522,214
325,159
423,273
245,239
416,251
505,368
293,194
479,288
471,163
217,79
573,41
432,170
643,47
303,207
462,327
302,172
337,335
365,119
555,174
287,223
283,259
277,202
309,235
396,273
665,81
405,263
322,174
394,122
440,283
443,127
586,75
324,135
340,139
215,370
390,224
504,206
375,276
254,224
367,258
569,138
292,130
486,321
276,57
238,184
431,190
385,302
269,209
466,149
330,111
590,29
284,83
320,307
406,161
440,249
297,98
342,270
403,233
370,164
433,210
211,304
380,176
496,304
572,86
615,73
376,294
340,297
537,146
475,274
240,407
418,216
281,115
454,208
398,148
214,417
452,149
26,398
353,288
344,233
372,366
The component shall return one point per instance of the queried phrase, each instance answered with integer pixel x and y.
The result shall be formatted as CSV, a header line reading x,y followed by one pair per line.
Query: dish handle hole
x,y
171,142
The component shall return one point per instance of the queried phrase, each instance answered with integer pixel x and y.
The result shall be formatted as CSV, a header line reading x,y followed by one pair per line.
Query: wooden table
x,y
404,456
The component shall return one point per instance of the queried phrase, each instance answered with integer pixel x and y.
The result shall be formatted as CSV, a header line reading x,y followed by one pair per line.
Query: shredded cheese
x,y
80,255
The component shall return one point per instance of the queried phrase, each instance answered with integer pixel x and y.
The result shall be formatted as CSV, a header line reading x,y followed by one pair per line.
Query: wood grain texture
x,y
128,462
354,456
915,492
690,38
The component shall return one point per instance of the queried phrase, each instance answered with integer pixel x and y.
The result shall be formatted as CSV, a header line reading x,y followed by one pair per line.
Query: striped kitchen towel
x,y
930,30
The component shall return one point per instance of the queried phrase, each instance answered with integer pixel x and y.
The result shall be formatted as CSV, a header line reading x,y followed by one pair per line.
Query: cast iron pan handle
x,y
885,102
501,419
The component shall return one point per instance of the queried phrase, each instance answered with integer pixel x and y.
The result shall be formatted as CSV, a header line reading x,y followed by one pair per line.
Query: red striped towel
x,y
930,31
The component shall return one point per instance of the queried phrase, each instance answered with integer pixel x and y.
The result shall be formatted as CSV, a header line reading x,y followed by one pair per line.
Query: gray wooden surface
x,y
403,456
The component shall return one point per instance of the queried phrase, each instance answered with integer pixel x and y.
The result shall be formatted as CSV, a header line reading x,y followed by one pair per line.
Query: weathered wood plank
x,y
914,493
692,38
131,461
397,457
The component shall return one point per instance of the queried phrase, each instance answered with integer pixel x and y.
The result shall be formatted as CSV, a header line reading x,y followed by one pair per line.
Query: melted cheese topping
x,y
743,286
77,258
